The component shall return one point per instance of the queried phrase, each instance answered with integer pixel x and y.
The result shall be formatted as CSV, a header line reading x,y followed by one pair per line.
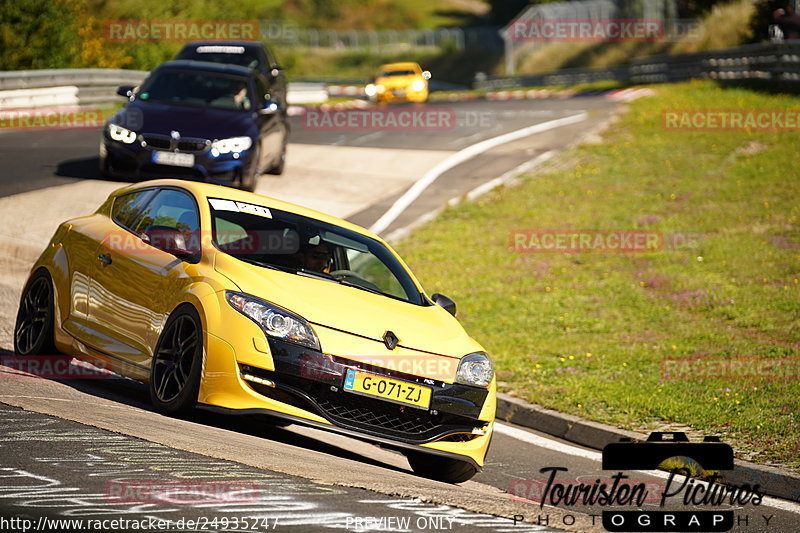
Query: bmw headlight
x,y
371,90
123,135
475,369
418,85
233,144
275,321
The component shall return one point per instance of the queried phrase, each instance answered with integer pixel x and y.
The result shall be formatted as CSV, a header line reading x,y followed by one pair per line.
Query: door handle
x,y
104,258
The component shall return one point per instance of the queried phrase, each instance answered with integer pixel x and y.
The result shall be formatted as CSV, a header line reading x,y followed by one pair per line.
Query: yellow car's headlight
x,y
418,85
475,369
275,321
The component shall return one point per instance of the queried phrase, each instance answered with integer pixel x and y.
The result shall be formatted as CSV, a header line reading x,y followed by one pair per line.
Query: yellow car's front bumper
x,y
402,94
245,373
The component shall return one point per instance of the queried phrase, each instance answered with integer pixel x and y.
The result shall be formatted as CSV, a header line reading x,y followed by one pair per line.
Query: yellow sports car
x,y
399,82
238,303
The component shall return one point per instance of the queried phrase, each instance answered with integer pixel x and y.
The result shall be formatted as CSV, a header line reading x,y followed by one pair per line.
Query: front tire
x,y
440,468
34,327
277,168
177,363
248,182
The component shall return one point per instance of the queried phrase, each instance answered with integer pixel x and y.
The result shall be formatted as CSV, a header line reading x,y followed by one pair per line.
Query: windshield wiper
x,y
357,286
314,274
268,265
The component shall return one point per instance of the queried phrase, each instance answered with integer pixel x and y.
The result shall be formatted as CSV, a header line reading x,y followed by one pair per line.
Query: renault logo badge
x,y
390,340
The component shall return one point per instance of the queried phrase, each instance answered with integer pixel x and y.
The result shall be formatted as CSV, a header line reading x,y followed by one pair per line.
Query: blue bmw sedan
x,y
200,121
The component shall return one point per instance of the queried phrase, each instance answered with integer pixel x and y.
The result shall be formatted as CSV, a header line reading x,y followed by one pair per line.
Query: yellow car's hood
x,y
352,310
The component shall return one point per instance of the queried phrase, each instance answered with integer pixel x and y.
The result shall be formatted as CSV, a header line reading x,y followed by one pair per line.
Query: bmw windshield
x,y
196,88
308,247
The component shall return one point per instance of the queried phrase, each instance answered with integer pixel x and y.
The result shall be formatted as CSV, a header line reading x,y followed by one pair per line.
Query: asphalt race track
x,y
79,449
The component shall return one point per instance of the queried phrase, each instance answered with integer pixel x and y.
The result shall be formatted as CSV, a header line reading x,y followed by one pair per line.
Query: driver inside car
x,y
315,255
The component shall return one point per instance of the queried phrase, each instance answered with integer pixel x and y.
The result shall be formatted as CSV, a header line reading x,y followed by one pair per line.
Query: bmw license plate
x,y
174,159
388,389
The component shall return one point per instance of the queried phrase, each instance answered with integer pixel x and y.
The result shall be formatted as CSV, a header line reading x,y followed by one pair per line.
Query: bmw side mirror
x,y
270,108
125,90
426,74
444,302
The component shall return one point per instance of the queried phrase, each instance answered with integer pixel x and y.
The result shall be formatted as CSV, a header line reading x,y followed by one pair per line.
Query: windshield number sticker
x,y
252,209
239,207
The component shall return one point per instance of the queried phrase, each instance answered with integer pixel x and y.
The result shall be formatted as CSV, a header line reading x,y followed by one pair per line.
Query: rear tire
x,y
34,327
177,363
440,468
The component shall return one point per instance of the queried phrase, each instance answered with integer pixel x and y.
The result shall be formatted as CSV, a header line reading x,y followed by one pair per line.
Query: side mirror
x,y
426,74
276,71
125,90
444,302
167,239
270,108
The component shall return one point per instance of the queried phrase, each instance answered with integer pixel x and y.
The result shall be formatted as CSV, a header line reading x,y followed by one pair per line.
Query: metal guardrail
x,y
81,77
95,86
39,88
770,61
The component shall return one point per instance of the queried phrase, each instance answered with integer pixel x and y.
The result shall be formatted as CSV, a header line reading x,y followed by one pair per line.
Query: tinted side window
x,y
173,209
128,207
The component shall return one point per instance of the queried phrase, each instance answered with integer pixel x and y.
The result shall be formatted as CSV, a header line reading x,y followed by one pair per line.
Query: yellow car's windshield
x,y
388,73
306,246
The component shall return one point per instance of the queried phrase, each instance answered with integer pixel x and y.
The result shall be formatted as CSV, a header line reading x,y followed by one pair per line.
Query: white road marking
x,y
459,157
36,398
560,447
480,190
544,442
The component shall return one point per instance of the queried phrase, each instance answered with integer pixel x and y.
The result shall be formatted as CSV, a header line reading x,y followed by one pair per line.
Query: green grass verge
x,y
587,333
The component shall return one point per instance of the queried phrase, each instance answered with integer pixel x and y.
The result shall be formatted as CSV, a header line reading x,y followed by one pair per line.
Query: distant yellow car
x,y
399,82
239,303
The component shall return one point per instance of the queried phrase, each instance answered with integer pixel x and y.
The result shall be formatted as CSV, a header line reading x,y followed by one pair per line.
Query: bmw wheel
x,y
248,182
277,168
